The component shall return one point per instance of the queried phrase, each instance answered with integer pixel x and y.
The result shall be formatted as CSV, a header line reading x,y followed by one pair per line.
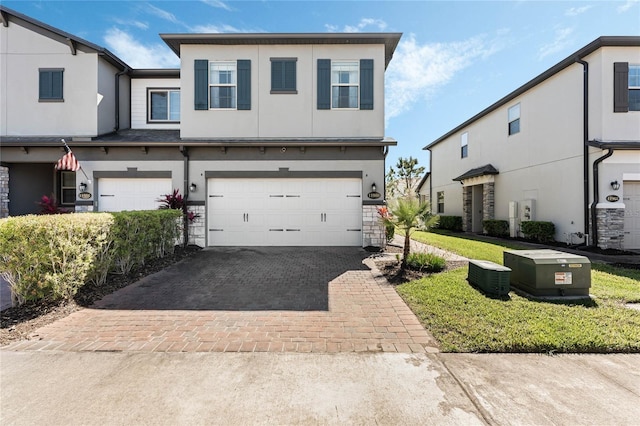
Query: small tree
x,y
402,179
408,214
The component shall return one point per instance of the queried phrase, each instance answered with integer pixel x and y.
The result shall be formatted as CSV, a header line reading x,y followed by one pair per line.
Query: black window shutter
x,y
621,87
45,85
201,84
366,84
324,83
244,84
277,76
289,75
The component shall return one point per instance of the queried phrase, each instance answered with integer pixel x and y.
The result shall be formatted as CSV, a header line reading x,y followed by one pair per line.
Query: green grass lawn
x,y
465,320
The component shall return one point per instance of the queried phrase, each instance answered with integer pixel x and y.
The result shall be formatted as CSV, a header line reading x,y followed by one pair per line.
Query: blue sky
x,y
455,57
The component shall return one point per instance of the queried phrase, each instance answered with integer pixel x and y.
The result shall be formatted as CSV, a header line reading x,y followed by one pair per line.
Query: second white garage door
x,y
284,212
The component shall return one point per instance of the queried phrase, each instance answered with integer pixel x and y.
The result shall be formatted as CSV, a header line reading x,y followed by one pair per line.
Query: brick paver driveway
x,y
294,299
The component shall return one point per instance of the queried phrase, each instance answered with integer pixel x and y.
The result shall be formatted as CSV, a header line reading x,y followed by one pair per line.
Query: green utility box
x,y
489,277
549,273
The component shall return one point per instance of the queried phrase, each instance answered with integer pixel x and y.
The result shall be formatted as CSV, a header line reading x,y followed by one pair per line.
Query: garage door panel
x,y
285,212
119,194
631,199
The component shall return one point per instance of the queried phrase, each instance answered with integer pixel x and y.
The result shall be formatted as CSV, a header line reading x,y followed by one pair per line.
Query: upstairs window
x,y
440,196
50,84
345,84
514,119
163,105
222,85
463,145
634,87
283,75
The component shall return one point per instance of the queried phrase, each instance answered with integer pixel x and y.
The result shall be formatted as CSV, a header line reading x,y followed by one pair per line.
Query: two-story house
x,y
564,148
276,139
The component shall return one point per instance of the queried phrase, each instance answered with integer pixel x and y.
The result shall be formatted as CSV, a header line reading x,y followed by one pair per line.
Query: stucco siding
x,y
139,101
281,115
24,53
106,97
606,124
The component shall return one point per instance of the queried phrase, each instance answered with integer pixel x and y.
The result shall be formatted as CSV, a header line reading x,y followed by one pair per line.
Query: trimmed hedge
x,y
496,228
542,232
451,223
51,257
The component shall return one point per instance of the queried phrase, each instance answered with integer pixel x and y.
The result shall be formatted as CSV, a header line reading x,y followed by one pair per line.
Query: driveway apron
x,y
266,299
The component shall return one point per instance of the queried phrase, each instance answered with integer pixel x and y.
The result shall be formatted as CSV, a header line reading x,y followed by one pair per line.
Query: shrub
x,y
451,223
538,231
51,256
49,205
496,228
389,228
426,262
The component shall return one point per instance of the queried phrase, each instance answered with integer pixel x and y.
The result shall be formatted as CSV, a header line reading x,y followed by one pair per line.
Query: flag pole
x,y
69,150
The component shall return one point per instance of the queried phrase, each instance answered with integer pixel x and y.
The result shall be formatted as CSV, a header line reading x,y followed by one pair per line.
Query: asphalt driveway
x,y
275,299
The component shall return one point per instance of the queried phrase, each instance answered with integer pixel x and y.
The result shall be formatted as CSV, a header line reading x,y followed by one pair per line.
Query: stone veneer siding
x,y
84,209
372,228
197,226
488,201
4,192
467,208
610,223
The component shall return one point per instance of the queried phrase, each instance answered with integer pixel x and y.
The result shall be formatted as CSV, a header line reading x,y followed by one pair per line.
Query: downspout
x,y
385,151
585,147
117,112
185,154
430,180
596,196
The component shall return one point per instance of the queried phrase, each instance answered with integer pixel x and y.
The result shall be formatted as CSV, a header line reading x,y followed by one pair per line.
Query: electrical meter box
x,y
549,273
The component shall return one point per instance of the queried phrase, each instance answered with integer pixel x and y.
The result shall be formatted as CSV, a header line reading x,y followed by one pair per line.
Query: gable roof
x,y
487,169
390,40
8,16
568,61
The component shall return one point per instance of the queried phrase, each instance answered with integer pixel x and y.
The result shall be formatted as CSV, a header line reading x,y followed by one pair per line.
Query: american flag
x,y
68,162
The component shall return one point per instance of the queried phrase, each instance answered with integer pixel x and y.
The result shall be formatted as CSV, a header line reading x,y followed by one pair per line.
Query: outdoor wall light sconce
x,y
373,194
193,187
82,187
615,185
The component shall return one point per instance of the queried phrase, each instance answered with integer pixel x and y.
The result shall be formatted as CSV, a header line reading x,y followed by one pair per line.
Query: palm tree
x,y
408,214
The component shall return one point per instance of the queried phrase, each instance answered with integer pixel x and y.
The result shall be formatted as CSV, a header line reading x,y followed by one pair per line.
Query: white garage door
x,y
631,199
116,195
284,212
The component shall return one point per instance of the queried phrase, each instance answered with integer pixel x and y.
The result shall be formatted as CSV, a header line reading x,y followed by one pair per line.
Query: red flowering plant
x,y
49,205
389,227
177,202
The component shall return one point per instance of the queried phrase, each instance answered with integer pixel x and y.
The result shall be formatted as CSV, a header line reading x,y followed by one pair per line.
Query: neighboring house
x,y
397,188
275,138
565,148
422,189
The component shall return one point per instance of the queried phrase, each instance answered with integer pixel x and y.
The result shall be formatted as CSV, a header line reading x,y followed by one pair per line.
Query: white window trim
x,y
168,90
357,63
509,121
438,193
235,66
464,142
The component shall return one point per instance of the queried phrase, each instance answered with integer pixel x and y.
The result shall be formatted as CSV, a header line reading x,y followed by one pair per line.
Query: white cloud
x,y
628,5
559,43
138,55
378,24
212,28
418,70
163,14
575,11
132,23
217,3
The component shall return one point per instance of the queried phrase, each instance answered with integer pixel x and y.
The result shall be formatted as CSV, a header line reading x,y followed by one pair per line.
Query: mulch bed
x,y
18,322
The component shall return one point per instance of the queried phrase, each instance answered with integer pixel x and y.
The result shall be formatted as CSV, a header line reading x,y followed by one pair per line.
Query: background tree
x,y
408,214
402,179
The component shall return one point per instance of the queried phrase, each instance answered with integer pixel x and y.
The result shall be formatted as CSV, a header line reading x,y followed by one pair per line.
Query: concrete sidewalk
x,y
71,388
